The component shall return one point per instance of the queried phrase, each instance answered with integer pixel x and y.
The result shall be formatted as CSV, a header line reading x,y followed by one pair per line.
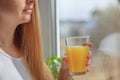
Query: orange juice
x,y
77,58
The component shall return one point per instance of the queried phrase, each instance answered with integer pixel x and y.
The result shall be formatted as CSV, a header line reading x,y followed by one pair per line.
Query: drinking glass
x,y
76,52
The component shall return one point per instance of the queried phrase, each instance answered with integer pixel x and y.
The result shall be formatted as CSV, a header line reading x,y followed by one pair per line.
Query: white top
x,y
12,68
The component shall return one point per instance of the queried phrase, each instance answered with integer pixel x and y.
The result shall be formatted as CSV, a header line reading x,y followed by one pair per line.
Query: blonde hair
x,y
28,39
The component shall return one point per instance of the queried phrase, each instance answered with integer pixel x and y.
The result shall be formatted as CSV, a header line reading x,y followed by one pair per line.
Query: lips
x,y
28,11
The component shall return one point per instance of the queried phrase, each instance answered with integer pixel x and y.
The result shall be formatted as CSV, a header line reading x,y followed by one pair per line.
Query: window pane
x,y
101,20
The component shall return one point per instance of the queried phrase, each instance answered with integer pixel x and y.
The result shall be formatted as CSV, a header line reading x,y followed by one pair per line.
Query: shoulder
x,y
4,56
3,60
1,67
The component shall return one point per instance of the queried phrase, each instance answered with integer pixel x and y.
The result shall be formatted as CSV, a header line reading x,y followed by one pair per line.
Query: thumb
x,y
64,63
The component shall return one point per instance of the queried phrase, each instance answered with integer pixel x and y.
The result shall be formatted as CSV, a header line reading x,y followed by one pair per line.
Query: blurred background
x,y
101,20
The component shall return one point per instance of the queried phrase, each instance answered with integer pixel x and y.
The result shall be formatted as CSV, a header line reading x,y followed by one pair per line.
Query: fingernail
x,y
88,44
87,64
89,56
64,60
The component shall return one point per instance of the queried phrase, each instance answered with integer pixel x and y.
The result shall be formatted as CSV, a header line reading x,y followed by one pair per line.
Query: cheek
x,y
14,10
12,6
6,6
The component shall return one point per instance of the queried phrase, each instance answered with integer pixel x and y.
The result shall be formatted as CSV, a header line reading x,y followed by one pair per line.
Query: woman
x,y
21,55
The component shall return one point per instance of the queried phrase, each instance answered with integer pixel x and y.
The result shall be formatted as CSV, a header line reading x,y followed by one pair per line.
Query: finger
x,y
64,60
64,68
88,44
89,56
88,70
64,63
88,64
88,60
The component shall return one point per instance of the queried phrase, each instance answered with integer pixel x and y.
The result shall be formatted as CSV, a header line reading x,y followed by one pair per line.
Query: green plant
x,y
54,64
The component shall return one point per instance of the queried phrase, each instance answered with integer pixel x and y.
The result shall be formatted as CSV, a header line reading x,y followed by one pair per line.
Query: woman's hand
x,y
64,73
89,55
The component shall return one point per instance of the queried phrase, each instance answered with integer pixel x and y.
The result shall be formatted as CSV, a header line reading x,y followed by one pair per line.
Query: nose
x,y
30,1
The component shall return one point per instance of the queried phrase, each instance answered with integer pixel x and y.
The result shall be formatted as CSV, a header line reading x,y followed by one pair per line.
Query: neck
x,y
6,33
7,29
6,40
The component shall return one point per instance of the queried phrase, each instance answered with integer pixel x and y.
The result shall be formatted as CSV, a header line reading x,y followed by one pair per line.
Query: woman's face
x,y
17,10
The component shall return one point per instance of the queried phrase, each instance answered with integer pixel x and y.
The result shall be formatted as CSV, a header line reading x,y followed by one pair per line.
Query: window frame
x,y
50,29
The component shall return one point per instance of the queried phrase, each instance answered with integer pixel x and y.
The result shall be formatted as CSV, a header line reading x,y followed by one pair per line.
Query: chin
x,y
26,19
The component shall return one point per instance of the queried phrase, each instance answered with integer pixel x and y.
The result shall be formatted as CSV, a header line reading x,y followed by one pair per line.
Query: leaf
x,y
54,64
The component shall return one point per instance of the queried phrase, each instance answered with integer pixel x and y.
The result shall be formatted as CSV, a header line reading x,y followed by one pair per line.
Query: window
x,y
101,20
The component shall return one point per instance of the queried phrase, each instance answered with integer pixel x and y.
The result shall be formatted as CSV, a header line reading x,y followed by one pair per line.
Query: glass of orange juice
x,y
76,53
